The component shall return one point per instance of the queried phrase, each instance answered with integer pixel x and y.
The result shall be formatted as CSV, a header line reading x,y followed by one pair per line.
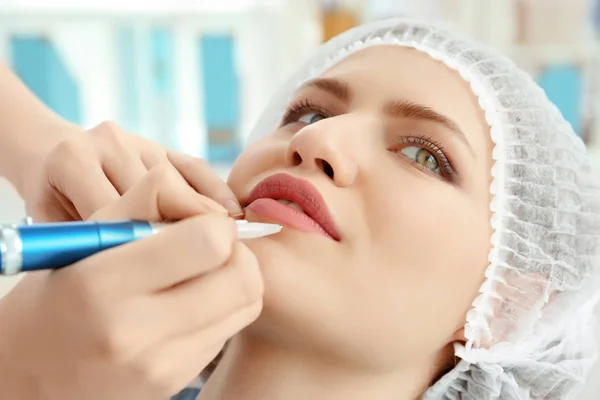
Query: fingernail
x,y
234,209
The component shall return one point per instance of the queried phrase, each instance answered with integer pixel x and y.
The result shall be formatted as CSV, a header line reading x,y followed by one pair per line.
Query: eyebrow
x,y
334,87
394,108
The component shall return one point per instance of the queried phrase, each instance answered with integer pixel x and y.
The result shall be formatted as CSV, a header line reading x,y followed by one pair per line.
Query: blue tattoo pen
x,y
33,247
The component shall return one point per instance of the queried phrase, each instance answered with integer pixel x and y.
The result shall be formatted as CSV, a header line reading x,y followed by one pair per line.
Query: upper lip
x,y
286,187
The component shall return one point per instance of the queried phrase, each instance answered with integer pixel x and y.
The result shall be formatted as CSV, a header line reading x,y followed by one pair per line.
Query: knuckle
x,y
112,344
112,134
108,129
161,175
115,341
69,149
68,160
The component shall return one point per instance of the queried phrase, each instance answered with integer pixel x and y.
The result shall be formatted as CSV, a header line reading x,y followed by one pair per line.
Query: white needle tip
x,y
252,230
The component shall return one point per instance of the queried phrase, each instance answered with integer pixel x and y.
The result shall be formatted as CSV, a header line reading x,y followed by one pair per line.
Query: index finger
x,y
206,181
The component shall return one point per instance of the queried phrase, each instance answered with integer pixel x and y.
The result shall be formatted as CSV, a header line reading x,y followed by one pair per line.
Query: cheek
x,y
430,246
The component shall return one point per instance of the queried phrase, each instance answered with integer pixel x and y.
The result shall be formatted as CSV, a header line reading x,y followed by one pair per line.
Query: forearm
x,y
28,128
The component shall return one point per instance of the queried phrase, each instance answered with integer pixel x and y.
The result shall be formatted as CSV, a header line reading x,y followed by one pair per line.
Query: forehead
x,y
380,73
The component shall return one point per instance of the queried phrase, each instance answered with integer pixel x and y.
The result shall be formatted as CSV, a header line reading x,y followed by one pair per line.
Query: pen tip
x,y
251,230
272,228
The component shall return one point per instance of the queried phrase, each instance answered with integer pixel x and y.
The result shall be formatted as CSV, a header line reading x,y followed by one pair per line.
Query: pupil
x,y
431,161
427,159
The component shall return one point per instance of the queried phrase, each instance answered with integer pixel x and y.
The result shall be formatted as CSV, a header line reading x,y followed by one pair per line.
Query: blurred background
x,y
195,75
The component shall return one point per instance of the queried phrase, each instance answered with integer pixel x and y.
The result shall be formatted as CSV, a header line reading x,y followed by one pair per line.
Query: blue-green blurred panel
x,y
163,55
563,84
221,94
128,55
38,64
163,83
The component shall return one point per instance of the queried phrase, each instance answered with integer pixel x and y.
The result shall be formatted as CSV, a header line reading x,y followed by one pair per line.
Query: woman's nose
x,y
328,147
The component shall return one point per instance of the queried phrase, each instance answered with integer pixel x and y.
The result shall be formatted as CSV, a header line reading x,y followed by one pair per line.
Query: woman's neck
x,y
252,369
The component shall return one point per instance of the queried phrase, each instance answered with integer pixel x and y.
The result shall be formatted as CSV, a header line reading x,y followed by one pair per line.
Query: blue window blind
x,y
221,96
38,64
163,83
563,85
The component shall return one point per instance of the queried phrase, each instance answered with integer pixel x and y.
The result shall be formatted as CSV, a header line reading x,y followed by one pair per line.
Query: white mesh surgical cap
x,y
530,330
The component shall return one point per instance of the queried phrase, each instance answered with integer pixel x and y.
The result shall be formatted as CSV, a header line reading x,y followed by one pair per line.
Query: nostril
x,y
297,158
326,167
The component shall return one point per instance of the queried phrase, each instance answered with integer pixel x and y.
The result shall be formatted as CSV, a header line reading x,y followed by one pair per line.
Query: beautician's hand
x,y
137,322
88,171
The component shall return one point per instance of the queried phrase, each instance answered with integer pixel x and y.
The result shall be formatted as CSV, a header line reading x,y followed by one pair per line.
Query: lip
x,y
316,217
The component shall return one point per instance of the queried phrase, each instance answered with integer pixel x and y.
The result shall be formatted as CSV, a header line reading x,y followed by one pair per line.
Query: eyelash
x,y
299,108
436,149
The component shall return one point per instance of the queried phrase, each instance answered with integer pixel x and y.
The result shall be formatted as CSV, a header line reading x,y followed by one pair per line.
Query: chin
x,y
300,274
286,252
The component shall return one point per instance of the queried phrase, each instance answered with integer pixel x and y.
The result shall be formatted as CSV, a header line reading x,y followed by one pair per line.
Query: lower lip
x,y
285,215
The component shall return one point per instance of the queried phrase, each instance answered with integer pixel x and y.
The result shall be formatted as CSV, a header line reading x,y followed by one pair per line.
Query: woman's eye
x,y
310,118
422,157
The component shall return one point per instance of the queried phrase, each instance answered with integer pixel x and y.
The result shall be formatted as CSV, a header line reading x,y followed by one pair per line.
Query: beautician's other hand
x,y
85,172
137,322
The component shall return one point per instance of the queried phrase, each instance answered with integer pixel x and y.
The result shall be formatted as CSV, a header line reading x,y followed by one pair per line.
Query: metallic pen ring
x,y
11,250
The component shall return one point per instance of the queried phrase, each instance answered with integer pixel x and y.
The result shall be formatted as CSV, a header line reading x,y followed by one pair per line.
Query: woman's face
x,y
397,147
